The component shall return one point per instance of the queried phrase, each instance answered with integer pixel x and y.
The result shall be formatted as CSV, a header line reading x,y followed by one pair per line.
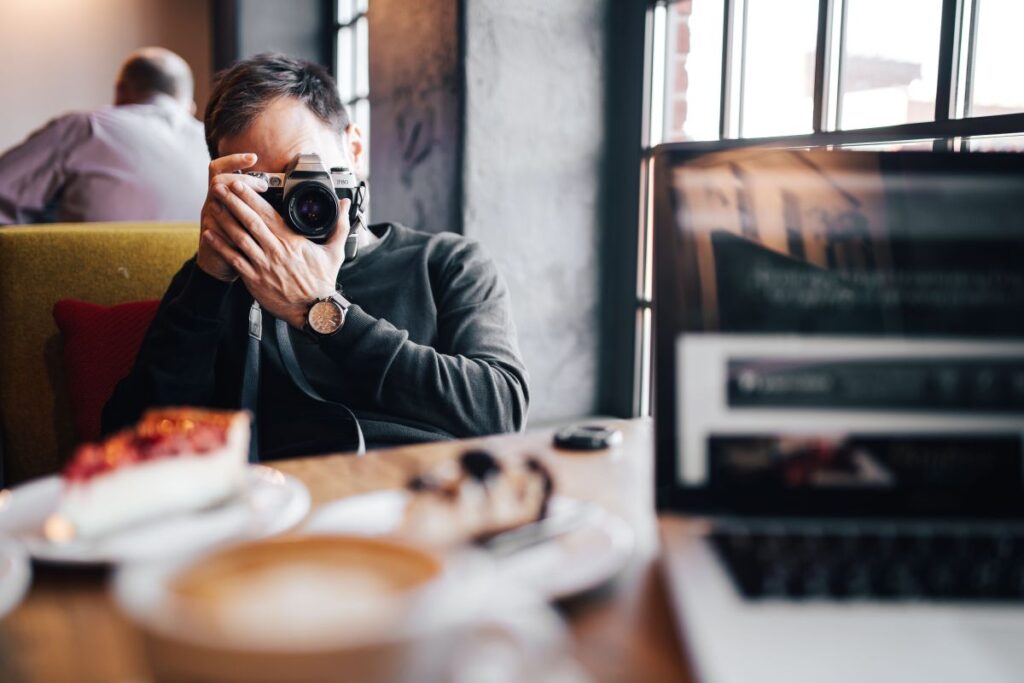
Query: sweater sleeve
x,y
33,173
176,362
473,382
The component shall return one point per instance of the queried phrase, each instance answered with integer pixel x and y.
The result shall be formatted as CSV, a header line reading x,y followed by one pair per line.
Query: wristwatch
x,y
326,316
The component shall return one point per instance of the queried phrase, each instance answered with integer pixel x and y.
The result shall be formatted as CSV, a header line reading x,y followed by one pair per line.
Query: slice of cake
x,y
174,460
476,497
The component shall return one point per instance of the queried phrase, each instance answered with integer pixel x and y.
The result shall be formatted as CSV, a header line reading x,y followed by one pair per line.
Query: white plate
x,y
270,503
15,574
566,565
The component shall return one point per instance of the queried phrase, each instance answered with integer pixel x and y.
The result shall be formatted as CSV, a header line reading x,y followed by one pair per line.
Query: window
x,y
889,66
997,53
777,48
693,70
867,74
352,59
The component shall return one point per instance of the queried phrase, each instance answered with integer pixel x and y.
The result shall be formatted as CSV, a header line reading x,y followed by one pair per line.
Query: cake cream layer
x,y
151,489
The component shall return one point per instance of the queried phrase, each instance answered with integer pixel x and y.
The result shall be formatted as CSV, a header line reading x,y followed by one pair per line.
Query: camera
x,y
307,193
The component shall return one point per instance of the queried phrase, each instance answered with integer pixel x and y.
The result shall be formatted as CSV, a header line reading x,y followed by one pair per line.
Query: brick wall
x,y
678,46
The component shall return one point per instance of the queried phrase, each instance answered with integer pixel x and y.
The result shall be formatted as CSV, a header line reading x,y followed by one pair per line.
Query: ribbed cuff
x,y
357,322
204,295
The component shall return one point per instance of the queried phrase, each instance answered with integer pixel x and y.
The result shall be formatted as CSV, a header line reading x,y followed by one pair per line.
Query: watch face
x,y
325,317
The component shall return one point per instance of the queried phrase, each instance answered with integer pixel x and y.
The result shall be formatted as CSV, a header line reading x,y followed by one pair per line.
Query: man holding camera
x,y
327,329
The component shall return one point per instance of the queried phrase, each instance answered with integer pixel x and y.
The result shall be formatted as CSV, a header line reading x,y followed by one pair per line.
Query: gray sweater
x,y
428,351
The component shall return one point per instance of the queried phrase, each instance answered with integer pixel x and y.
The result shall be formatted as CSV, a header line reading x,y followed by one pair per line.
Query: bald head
x,y
153,70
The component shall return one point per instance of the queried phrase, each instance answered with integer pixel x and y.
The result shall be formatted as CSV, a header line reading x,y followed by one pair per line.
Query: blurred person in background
x,y
143,159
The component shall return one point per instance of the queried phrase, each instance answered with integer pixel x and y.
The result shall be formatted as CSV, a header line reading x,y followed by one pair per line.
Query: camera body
x,y
307,193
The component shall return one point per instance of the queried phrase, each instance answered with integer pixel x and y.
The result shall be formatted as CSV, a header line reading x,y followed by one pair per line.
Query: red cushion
x,y
100,345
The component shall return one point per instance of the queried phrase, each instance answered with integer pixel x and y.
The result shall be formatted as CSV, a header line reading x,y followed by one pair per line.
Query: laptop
x,y
839,412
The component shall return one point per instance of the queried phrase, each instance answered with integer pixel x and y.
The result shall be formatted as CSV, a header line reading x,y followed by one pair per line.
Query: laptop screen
x,y
839,331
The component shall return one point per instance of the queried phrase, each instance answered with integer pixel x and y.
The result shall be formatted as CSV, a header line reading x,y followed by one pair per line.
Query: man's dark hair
x,y
243,90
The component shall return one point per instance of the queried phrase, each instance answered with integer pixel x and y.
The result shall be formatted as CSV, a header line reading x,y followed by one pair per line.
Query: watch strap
x,y
339,299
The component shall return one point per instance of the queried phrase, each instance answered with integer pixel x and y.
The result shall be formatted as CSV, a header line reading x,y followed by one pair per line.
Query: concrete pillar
x,y
532,171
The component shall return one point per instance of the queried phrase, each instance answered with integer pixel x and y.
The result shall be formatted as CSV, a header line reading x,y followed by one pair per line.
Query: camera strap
x,y
291,364
251,375
352,241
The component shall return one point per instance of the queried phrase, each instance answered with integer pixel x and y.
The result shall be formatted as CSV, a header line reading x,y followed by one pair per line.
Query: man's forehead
x,y
285,128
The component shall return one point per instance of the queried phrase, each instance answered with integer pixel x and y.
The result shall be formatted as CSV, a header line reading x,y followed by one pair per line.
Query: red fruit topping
x,y
160,434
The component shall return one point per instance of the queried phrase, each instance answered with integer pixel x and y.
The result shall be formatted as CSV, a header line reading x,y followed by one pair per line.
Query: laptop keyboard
x,y
858,564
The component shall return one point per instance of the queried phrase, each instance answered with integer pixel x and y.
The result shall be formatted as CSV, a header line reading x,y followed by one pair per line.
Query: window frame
x,y
952,127
335,27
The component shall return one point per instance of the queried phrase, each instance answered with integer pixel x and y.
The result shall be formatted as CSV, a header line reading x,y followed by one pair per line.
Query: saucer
x,y
569,564
15,574
269,503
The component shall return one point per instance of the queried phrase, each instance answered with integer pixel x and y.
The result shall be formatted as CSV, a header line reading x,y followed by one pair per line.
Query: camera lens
x,y
313,210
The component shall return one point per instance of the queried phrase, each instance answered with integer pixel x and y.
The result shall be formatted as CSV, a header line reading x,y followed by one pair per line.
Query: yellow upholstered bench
x,y
105,263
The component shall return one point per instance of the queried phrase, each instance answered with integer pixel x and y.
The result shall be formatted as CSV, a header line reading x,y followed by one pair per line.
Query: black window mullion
x,y
949,57
821,66
329,34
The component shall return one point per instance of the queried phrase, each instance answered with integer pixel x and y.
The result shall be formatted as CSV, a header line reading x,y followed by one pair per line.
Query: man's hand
x,y
222,172
284,271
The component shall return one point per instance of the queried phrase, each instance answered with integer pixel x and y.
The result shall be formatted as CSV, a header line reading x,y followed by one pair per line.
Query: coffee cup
x,y
330,608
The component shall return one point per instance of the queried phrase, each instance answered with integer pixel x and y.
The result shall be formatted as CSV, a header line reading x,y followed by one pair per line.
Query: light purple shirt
x,y
135,162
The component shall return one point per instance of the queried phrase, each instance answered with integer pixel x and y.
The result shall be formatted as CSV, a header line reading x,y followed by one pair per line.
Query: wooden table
x,y
68,630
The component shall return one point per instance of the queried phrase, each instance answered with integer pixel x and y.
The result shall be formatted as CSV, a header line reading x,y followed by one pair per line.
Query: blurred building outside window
x,y
996,86
890,59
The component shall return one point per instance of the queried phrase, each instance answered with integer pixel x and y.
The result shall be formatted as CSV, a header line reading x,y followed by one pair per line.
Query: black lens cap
x,y
587,437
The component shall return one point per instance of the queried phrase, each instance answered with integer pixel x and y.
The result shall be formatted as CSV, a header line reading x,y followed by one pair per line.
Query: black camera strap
x,y
358,224
251,376
291,364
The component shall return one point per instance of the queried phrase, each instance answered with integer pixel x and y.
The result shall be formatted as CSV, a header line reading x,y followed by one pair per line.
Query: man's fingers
x,y
248,217
251,195
230,255
231,163
207,223
271,219
236,234
343,227
336,242
257,184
